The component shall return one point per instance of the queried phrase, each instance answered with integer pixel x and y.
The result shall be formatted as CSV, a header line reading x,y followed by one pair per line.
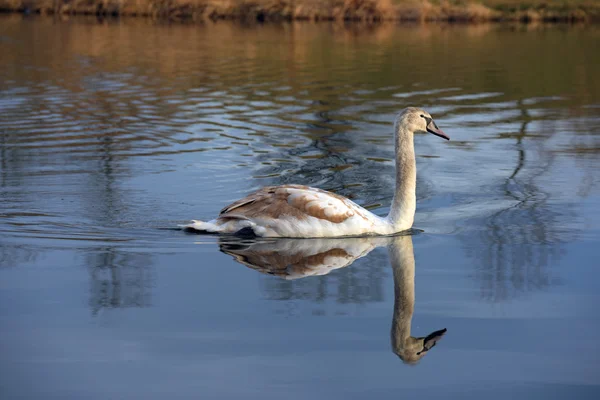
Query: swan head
x,y
419,120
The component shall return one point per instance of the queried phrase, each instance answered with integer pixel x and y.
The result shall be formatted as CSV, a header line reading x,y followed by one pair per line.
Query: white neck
x,y
404,204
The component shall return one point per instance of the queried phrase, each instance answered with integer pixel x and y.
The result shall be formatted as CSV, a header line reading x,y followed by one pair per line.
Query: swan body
x,y
306,212
296,211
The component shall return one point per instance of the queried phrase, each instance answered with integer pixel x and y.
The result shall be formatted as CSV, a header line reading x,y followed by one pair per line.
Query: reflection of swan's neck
x,y
410,349
402,211
403,264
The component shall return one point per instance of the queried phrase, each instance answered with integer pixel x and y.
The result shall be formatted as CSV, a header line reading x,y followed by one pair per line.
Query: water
x,y
113,133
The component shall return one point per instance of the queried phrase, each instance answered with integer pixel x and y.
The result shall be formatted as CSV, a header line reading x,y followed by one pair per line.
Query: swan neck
x,y
402,211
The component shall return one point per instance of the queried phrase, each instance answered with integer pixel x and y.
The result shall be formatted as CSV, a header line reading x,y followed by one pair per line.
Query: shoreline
x,y
361,11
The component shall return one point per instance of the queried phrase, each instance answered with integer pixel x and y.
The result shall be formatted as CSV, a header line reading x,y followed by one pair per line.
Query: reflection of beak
x,y
433,128
430,341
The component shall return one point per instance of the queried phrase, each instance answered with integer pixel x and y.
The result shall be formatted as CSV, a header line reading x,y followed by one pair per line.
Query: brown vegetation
x,y
319,10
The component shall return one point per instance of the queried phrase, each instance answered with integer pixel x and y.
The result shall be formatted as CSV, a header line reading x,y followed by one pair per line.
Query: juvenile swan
x,y
302,211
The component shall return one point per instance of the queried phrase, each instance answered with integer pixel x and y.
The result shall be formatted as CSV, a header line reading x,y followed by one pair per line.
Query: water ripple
x,y
119,135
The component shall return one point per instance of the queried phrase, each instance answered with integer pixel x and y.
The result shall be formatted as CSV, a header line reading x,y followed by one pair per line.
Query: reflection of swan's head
x,y
414,349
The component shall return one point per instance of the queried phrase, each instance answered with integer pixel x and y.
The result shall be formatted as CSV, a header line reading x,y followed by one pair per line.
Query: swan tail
x,y
202,227
236,226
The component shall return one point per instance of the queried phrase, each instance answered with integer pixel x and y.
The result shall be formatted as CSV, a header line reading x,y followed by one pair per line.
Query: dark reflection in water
x,y
519,241
292,259
119,279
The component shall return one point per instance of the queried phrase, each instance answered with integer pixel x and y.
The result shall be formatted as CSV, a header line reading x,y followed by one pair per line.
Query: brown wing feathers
x,y
273,202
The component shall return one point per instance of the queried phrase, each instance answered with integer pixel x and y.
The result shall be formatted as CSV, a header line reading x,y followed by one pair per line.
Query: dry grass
x,y
329,10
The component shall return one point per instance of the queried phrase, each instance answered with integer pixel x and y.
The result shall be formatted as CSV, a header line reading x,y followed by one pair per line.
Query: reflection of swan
x,y
410,349
302,211
300,258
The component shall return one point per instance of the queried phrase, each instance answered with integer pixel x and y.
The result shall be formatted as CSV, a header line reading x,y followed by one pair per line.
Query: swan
x,y
306,212
302,258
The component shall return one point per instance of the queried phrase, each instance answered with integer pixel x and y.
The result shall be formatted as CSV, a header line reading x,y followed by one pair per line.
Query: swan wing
x,y
292,201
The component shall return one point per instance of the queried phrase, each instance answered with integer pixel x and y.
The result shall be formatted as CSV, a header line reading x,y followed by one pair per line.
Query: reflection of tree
x,y
12,255
18,208
584,145
515,248
118,279
103,197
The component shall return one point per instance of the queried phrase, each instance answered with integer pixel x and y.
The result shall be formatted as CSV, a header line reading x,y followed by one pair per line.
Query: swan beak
x,y
433,128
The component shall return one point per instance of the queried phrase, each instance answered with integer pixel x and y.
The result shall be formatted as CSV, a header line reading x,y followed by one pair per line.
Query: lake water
x,y
112,133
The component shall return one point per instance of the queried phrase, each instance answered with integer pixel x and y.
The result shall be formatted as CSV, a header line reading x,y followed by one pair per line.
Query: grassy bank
x,y
324,10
